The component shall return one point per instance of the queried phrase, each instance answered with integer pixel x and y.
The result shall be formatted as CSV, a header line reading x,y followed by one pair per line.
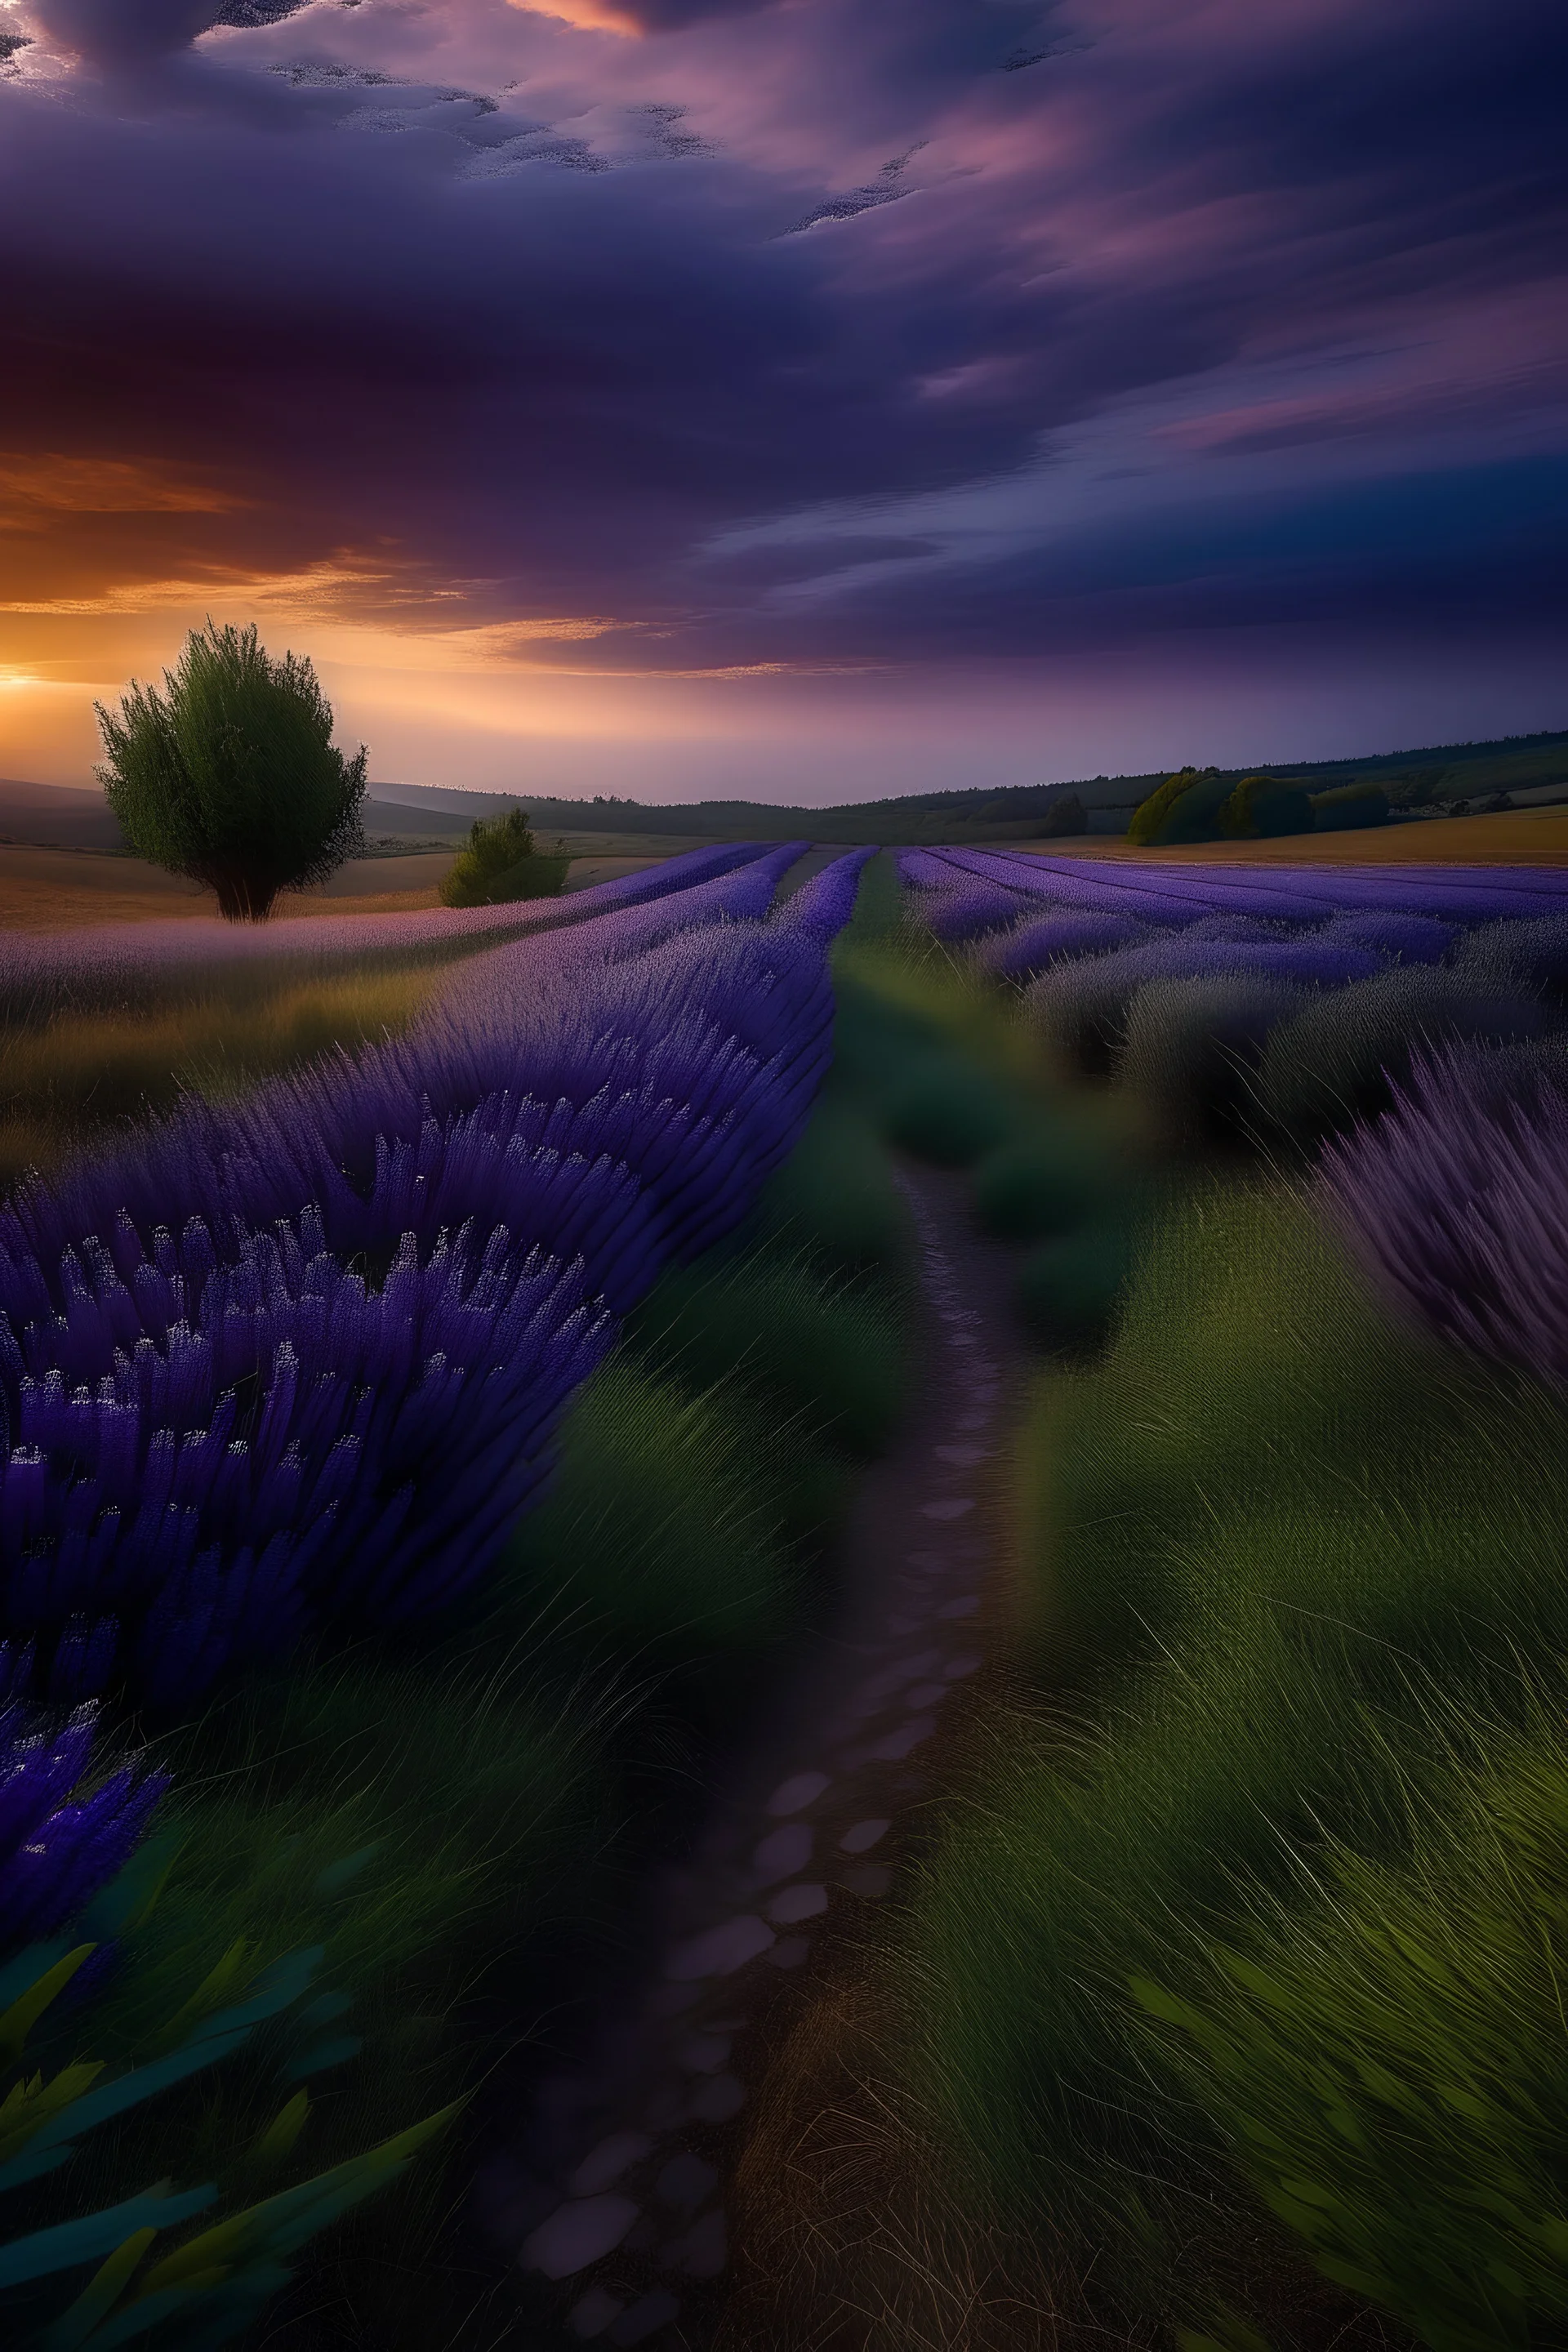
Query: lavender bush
x,y
1457,1201
1041,940
1190,1045
298,1363
58,1845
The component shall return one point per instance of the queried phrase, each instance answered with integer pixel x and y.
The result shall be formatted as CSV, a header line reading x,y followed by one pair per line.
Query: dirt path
x,y
613,2200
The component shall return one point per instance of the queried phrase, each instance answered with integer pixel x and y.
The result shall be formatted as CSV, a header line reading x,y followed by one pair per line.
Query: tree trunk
x,y
242,899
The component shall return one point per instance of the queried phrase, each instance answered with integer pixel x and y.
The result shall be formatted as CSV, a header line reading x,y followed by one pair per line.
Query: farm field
x,y
1517,837
59,889
809,1597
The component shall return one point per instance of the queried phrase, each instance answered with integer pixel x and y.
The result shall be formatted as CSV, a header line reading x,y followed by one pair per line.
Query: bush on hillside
x,y
1150,817
1348,807
230,775
502,862
1262,808
1065,816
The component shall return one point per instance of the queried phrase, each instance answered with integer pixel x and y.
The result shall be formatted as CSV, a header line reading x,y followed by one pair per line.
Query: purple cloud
x,y
873,328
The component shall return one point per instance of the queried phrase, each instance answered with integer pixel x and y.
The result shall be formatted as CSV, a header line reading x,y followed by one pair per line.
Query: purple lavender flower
x,y
56,1850
1457,1201
1034,945
300,1362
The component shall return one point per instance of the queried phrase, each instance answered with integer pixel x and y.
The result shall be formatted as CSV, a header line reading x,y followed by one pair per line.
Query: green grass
x,y
1272,1544
68,1082
949,1068
1383,2057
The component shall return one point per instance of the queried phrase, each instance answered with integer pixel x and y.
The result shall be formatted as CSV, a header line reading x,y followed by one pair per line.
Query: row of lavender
x,y
125,965
1456,1195
1271,999
297,1365
1309,923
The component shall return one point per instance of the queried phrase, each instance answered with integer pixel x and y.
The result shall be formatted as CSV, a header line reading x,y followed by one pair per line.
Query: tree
x,y
230,775
502,862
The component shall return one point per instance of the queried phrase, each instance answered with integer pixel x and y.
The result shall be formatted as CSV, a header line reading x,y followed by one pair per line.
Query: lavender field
x,y
456,1434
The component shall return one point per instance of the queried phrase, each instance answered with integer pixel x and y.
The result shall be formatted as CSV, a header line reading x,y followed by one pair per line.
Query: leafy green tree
x,y
230,775
1150,816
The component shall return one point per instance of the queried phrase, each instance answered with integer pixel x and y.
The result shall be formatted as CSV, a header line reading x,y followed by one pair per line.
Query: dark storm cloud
x,y
547,347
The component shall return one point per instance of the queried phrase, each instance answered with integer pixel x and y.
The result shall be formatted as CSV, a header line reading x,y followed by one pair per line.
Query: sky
x,y
791,399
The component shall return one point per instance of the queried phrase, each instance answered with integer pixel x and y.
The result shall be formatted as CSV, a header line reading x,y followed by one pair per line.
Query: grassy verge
x,y
82,1074
1189,1985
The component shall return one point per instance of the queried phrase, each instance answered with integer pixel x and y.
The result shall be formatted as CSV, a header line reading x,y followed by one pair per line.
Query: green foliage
x,y
1386,2058
1200,804
502,862
230,775
655,1534
835,1198
1068,1288
1064,817
1277,1548
1262,808
826,1360
1191,1047
1149,819
1332,1063
207,2287
946,1110
1349,806
1036,1191
62,1084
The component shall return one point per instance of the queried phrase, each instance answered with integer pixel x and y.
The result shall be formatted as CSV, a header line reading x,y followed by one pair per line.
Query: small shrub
x,y
1334,1062
1069,1288
501,862
946,1109
1032,1192
1529,954
1190,1045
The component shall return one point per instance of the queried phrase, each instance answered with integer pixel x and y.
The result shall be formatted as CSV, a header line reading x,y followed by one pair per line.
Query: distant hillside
x,y
1436,774
60,817
403,817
